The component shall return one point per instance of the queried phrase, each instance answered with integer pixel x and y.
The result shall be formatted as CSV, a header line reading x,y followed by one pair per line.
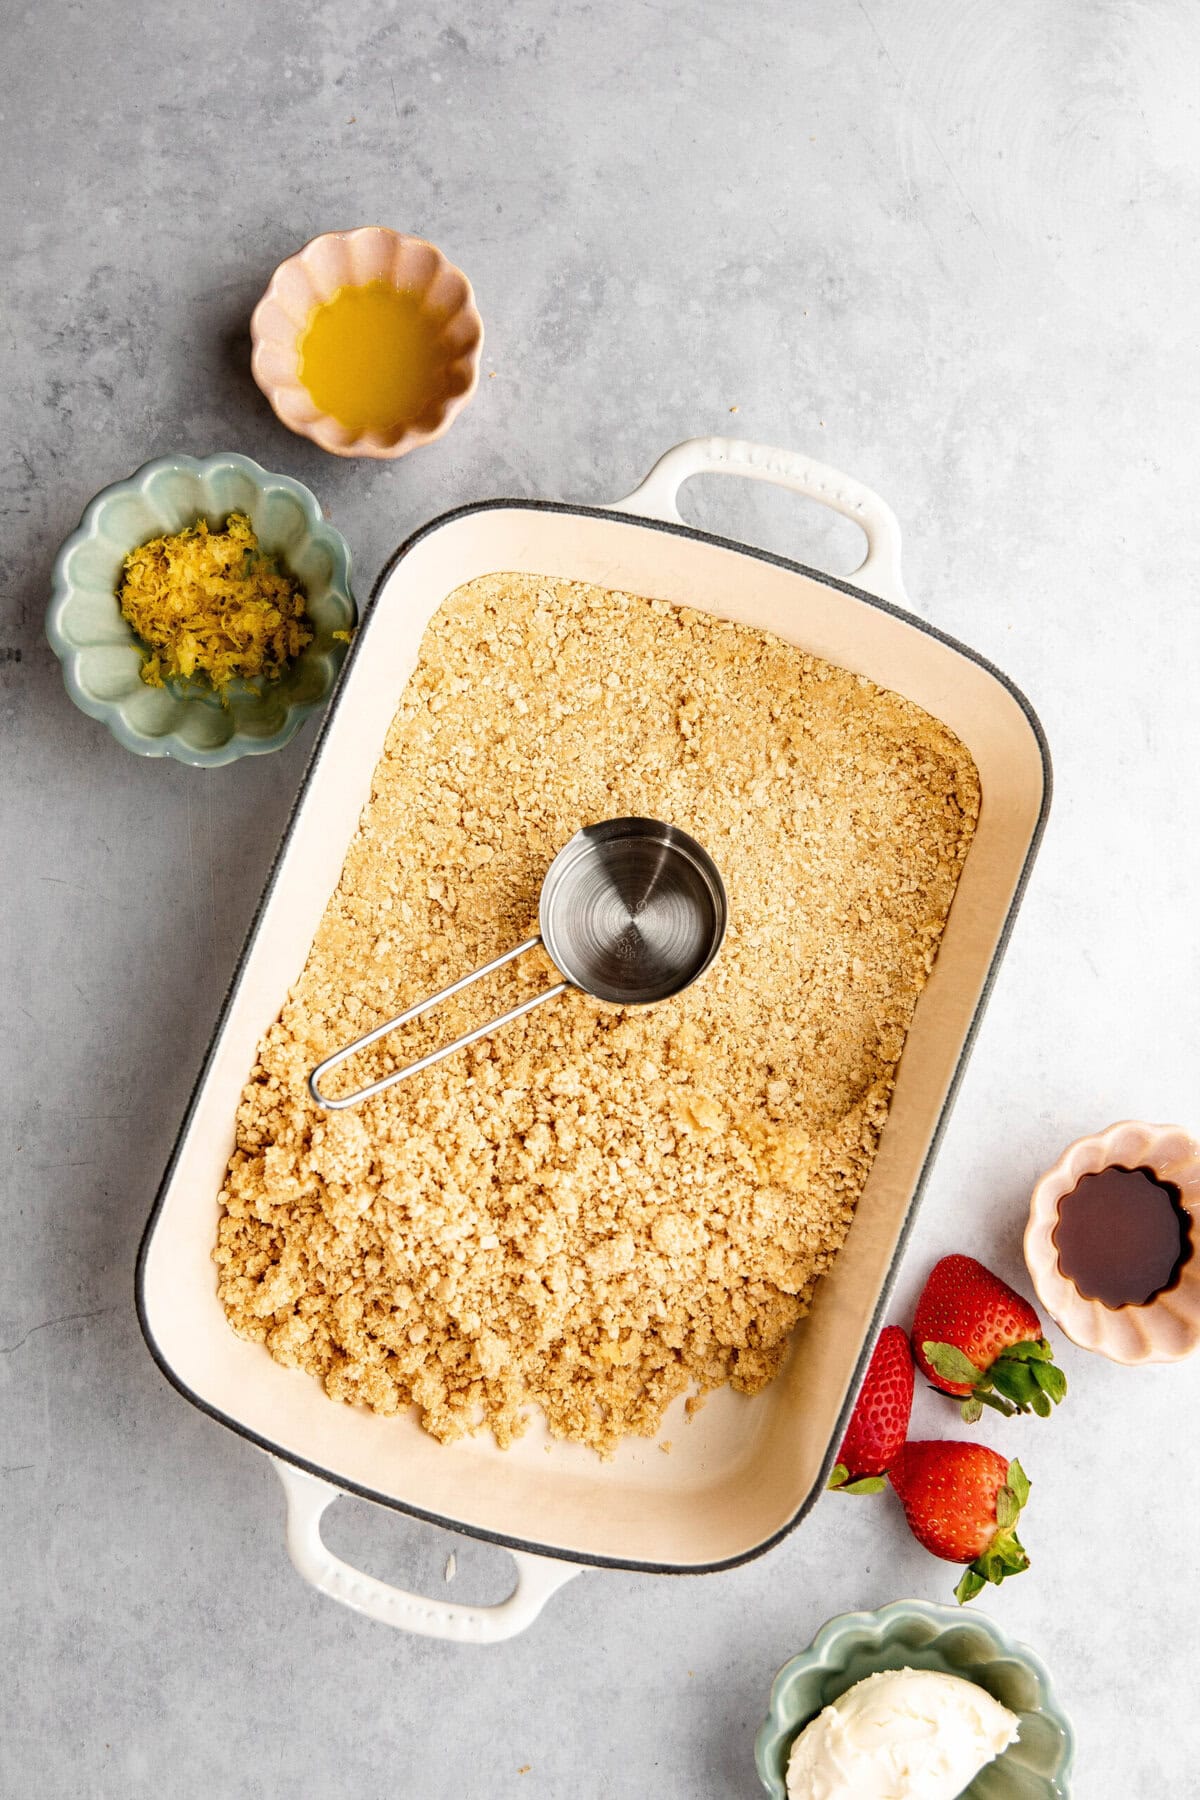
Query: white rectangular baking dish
x,y
744,1471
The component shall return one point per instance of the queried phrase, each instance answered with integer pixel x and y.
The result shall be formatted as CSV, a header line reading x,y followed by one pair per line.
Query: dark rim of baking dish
x,y
585,1558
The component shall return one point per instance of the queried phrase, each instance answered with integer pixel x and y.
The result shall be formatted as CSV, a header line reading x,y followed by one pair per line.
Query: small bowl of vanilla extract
x,y
1113,1242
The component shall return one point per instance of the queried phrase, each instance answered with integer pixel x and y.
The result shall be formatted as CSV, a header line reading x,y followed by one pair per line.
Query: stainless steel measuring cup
x,y
631,911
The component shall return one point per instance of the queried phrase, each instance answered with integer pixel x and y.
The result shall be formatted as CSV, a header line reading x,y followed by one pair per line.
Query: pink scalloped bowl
x,y
339,259
1167,1327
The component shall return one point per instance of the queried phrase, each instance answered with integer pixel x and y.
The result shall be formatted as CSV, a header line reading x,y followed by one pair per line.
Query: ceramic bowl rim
x,y
109,712
821,1653
324,430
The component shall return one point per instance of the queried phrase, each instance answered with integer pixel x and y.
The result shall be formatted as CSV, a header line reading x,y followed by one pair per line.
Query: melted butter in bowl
x,y
368,342
374,359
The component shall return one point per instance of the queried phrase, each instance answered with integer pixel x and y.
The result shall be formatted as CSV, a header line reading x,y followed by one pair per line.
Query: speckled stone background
x,y
948,245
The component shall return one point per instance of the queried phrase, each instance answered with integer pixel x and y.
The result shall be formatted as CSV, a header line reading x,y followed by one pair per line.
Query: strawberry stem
x,y
1023,1378
1006,1554
1025,1375
972,1408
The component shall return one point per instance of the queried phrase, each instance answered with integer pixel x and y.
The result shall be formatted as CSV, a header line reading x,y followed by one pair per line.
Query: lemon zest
x,y
212,605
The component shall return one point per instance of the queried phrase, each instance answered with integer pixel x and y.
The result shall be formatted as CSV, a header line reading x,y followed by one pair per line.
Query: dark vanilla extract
x,y
1122,1236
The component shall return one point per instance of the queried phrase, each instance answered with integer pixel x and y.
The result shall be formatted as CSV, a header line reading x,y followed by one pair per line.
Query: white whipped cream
x,y
905,1734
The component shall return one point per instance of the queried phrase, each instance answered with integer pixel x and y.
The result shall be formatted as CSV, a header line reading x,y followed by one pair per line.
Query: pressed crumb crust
x,y
595,1210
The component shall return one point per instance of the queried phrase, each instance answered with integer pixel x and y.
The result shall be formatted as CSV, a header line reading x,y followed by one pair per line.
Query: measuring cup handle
x,y
415,1012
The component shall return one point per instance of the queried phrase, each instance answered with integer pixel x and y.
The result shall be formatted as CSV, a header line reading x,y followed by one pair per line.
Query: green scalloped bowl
x,y
913,1634
100,655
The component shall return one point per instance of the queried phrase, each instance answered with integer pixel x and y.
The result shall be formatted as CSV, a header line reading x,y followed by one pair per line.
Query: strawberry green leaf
x,y
1051,1380
1029,1350
1018,1481
1007,1508
951,1364
970,1585
1015,1381
1004,1556
972,1409
1010,1556
841,1483
1032,1383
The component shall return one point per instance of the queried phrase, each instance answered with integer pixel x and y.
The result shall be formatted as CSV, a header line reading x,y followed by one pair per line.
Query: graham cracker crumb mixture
x,y
595,1210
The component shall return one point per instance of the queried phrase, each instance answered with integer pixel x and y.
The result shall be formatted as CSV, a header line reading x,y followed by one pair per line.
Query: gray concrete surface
x,y
950,247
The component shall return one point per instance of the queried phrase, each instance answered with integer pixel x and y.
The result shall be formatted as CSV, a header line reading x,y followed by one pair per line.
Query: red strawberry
x,y
879,1422
974,1336
962,1502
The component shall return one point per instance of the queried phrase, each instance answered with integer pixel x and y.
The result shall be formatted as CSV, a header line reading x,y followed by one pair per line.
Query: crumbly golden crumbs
x,y
596,1210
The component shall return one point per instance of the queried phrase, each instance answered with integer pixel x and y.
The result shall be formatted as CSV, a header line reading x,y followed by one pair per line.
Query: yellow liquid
x,y
372,358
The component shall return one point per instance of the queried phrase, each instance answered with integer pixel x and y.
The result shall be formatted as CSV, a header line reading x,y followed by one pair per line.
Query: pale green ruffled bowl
x,y
912,1634
97,648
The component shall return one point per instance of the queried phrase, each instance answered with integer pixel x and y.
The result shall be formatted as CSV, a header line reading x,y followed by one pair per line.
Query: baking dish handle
x,y
307,1499
656,498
